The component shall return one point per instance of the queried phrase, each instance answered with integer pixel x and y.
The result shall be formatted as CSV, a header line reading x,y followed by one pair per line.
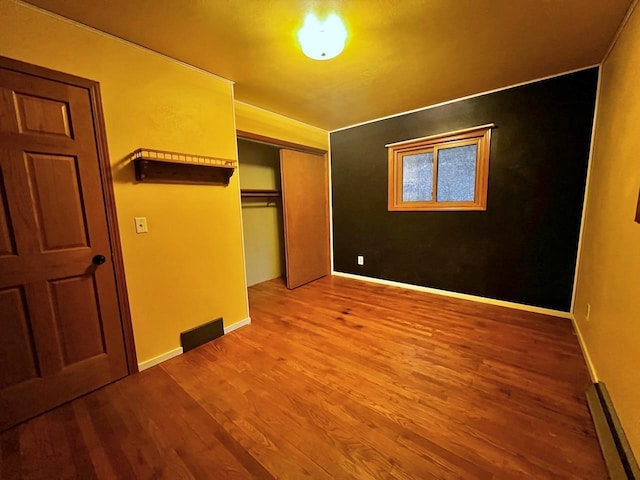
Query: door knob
x,y
99,259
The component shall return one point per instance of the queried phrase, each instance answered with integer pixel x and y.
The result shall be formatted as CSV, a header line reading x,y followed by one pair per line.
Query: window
x,y
442,172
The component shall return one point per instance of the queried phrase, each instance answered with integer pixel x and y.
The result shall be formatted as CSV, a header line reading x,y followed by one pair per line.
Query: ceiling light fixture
x,y
322,40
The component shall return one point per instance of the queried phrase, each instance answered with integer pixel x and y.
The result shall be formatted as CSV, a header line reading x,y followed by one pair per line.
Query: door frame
x,y
275,142
106,180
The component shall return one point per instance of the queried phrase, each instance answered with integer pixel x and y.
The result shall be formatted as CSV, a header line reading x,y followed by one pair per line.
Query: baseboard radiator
x,y
614,445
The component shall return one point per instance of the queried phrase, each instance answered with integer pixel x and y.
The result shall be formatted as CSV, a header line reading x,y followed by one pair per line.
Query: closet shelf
x,y
253,192
173,167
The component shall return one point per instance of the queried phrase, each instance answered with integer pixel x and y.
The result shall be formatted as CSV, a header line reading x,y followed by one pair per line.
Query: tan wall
x,y
256,120
189,268
609,275
262,223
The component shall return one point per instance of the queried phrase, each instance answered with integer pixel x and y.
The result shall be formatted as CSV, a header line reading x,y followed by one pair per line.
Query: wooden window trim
x,y
480,136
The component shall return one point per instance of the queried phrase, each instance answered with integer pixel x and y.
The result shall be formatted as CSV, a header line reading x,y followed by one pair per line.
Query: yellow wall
x,y
189,268
256,120
609,275
262,222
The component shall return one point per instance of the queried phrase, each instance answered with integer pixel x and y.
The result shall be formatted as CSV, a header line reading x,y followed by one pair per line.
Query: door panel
x,y
17,353
77,317
55,193
59,313
7,239
305,207
41,115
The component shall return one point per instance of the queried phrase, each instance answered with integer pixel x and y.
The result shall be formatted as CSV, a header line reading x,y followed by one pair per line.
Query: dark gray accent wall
x,y
523,248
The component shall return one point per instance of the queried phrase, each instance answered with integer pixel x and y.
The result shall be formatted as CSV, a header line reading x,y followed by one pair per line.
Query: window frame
x,y
479,136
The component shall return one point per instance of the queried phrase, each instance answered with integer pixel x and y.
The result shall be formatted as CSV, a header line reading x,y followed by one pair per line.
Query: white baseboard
x,y
585,352
237,325
159,359
463,296
178,351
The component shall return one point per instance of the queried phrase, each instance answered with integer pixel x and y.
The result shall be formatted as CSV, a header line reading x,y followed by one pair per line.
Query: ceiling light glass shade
x,y
322,40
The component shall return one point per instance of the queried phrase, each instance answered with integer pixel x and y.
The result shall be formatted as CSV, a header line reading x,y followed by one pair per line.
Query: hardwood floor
x,y
337,379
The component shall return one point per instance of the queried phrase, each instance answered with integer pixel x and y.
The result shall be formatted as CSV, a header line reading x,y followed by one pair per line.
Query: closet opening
x,y
285,210
262,220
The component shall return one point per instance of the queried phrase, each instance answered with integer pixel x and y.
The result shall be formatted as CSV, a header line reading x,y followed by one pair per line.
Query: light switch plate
x,y
141,224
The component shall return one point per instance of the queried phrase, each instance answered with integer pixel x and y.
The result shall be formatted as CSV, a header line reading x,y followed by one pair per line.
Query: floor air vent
x,y
613,442
202,334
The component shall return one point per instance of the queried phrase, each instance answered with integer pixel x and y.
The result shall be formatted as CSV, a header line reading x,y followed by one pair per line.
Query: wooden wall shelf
x,y
255,193
173,167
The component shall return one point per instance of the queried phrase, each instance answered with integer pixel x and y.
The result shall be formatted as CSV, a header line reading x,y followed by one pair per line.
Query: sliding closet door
x,y
305,205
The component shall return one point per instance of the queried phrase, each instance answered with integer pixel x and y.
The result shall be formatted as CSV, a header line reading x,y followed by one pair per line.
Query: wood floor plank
x,y
337,379
239,412
10,465
573,395
101,462
367,393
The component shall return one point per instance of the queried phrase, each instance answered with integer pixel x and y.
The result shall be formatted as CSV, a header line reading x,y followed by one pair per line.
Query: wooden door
x,y
305,205
60,321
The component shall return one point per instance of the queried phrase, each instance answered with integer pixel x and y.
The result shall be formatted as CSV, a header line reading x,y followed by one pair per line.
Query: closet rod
x,y
245,192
